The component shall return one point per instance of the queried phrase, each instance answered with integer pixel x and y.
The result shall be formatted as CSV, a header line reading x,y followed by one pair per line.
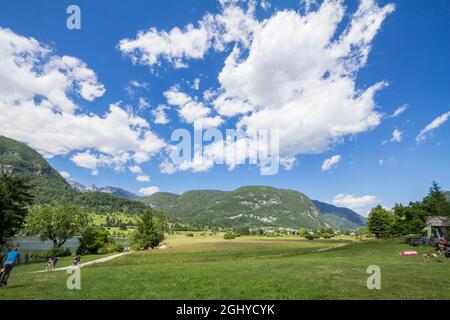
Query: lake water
x,y
32,243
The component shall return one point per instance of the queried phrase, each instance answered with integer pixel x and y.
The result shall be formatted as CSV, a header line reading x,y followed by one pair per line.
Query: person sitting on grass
x,y
49,264
55,261
76,261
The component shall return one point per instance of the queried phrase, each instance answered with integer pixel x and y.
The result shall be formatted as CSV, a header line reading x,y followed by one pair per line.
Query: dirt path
x,y
89,263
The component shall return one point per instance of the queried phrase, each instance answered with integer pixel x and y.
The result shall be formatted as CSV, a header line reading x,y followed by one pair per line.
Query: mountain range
x,y
108,189
251,206
246,206
50,187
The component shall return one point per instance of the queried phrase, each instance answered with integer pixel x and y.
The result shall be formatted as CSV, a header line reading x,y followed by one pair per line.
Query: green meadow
x,y
209,267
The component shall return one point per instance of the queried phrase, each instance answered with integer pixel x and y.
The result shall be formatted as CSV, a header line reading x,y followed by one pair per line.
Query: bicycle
x,y
4,275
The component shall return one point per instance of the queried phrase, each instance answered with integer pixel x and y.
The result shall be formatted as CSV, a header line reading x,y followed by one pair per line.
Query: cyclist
x,y
11,257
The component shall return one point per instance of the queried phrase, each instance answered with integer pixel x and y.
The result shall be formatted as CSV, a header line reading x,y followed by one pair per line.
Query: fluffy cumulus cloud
x,y
300,76
180,44
397,136
65,174
436,123
135,169
143,178
331,162
360,204
148,191
295,71
39,94
192,111
160,115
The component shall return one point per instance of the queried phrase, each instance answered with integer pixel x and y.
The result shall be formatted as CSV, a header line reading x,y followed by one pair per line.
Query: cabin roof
x,y
437,221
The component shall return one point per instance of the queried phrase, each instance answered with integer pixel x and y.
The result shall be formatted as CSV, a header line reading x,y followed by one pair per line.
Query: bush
x,y
57,252
326,235
310,236
110,248
245,231
229,236
190,234
93,239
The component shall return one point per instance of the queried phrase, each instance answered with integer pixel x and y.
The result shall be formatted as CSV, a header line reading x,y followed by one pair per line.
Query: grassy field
x,y
208,267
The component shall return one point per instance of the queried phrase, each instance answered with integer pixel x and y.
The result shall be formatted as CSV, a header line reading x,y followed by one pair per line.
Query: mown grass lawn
x,y
248,268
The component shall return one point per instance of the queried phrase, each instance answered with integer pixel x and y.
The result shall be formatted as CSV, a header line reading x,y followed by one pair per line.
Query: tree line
x,y
403,220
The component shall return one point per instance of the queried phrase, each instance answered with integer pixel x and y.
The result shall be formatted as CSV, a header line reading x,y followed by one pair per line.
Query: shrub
x,y
110,248
93,239
326,235
57,252
190,234
310,236
229,236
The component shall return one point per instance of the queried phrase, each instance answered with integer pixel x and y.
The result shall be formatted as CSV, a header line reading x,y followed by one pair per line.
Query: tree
x,y
244,231
408,220
436,203
15,199
150,230
92,240
380,222
57,223
327,232
303,232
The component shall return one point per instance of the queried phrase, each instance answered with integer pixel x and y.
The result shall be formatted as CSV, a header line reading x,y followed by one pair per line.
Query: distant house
x,y
8,169
439,224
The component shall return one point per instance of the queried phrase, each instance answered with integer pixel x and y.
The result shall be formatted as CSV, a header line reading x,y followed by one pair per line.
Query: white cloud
x,y
196,84
436,123
293,72
85,160
149,190
397,136
134,86
381,162
265,4
173,46
38,105
288,162
360,204
297,68
399,111
143,103
167,167
29,70
331,162
159,114
191,111
91,161
143,178
65,174
178,45
135,169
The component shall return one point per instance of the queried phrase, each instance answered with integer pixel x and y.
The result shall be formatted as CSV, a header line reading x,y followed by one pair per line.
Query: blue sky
x,y
408,50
